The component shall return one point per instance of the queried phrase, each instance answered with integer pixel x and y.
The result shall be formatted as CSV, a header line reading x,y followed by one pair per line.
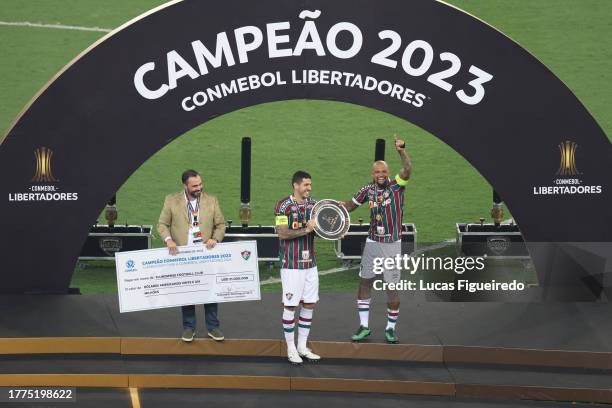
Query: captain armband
x,y
400,180
282,220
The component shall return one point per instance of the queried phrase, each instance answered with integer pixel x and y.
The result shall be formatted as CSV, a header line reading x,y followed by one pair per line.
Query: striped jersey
x,y
297,253
386,208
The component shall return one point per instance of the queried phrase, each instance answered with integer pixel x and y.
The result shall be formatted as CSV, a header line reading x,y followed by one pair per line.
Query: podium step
x,y
330,374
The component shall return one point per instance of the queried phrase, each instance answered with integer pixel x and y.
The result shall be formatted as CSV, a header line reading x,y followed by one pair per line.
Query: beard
x,y
194,194
301,196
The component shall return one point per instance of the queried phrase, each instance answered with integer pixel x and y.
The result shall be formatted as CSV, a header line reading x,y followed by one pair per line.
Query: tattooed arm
x,y
284,232
406,170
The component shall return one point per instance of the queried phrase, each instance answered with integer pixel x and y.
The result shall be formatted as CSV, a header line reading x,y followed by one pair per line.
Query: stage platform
x,y
582,326
450,354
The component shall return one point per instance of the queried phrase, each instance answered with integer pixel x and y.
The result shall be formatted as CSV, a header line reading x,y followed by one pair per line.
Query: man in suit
x,y
191,217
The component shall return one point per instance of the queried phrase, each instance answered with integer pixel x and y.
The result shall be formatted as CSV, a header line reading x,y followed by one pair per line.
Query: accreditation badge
x,y
195,235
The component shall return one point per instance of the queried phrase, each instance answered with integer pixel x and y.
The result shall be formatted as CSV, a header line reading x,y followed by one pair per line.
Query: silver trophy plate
x,y
332,219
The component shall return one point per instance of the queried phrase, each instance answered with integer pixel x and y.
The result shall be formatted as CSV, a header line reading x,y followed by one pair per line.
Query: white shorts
x,y
300,285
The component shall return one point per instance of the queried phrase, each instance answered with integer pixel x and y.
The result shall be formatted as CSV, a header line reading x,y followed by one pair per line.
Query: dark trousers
x,y
210,316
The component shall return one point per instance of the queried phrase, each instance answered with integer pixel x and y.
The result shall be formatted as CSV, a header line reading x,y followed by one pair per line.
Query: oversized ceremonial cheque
x,y
154,279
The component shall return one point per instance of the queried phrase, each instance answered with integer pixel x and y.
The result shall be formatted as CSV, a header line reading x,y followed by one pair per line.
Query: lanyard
x,y
379,199
294,203
193,212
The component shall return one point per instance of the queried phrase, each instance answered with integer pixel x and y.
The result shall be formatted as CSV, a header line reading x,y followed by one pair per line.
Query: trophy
x,y
245,214
497,212
332,219
110,211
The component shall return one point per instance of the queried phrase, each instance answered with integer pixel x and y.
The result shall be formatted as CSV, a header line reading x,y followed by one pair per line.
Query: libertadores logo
x,y
567,167
44,185
43,166
567,181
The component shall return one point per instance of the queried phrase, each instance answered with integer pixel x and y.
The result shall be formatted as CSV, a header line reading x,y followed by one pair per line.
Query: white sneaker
x,y
308,354
294,357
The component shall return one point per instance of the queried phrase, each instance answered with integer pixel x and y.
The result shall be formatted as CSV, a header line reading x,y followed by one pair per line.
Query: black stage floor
x,y
552,326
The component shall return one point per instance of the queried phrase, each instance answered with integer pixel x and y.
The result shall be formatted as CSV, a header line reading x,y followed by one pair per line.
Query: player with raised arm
x,y
386,201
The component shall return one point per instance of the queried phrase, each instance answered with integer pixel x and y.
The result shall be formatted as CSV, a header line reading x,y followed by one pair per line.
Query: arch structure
x,y
188,61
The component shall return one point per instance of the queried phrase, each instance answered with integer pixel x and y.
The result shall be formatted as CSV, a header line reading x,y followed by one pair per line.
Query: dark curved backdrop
x,y
94,104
